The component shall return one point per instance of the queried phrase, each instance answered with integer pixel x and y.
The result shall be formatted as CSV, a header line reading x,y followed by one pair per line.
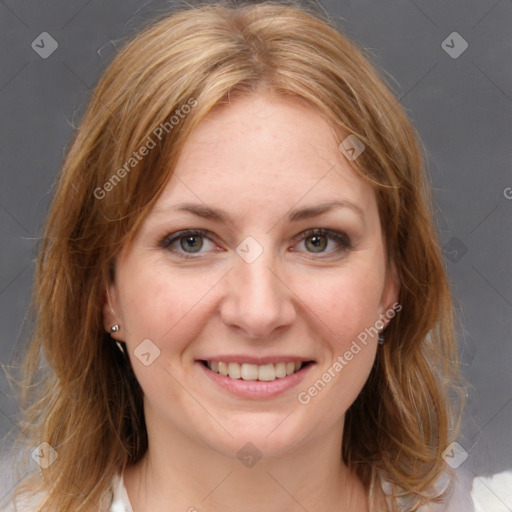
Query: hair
x,y
78,391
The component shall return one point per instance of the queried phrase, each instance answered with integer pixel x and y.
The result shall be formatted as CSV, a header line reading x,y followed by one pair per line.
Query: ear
x,y
391,292
110,308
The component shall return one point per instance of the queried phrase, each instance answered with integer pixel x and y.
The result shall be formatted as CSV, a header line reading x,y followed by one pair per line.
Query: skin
x,y
255,158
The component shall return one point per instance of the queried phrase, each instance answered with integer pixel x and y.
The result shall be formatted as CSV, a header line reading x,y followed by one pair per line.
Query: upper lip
x,y
258,360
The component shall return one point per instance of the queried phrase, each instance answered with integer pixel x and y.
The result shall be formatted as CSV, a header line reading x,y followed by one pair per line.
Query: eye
x,y
190,243
186,242
317,240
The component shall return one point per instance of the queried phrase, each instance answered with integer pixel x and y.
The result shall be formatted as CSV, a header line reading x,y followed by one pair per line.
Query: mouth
x,y
268,372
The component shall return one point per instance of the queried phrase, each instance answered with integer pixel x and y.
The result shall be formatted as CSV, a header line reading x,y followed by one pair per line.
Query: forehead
x,y
261,151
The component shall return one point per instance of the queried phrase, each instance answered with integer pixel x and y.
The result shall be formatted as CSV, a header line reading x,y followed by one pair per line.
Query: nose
x,y
257,300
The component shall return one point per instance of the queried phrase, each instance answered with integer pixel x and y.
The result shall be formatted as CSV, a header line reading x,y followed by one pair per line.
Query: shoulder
x,y
117,501
482,493
493,492
459,496
477,494
457,489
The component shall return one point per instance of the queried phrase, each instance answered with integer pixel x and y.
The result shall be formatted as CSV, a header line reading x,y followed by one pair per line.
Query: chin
x,y
265,434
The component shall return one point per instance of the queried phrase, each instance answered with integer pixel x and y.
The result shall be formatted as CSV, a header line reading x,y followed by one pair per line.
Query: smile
x,y
255,378
247,371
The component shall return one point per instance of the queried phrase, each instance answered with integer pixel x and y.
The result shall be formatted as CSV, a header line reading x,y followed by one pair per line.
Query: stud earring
x,y
113,329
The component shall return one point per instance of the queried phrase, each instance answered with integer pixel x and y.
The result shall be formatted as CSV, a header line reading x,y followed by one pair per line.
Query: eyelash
x,y
341,238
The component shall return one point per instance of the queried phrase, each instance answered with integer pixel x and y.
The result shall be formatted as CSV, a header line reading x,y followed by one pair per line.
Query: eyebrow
x,y
294,215
314,211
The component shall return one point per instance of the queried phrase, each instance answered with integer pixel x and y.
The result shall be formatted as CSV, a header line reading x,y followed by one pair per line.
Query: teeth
x,y
223,369
267,372
246,371
249,371
280,370
234,370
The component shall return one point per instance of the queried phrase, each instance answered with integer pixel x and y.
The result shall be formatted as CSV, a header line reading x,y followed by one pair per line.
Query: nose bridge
x,y
261,283
257,299
254,262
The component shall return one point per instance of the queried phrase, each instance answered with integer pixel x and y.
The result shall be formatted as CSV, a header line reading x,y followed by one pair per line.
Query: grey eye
x,y
316,243
192,242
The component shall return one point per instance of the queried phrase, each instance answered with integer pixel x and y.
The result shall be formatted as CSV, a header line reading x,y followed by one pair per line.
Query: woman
x,y
240,292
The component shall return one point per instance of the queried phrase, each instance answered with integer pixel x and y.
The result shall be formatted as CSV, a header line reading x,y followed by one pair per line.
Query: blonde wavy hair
x,y
80,395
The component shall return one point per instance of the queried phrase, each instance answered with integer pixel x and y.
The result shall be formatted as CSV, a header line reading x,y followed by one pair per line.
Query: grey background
x,y
461,107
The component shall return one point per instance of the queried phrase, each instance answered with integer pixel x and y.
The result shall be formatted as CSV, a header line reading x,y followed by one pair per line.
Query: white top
x,y
482,494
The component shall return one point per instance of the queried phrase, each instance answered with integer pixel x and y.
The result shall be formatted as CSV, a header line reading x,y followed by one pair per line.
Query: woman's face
x,y
285,266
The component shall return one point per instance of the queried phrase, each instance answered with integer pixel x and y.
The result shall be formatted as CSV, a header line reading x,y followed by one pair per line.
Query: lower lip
x,y
256,388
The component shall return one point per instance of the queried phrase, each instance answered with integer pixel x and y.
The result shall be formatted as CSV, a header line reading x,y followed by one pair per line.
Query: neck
x,y
179,473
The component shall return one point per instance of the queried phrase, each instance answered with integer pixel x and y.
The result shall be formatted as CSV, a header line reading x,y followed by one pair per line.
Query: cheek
x,y
148,306
167,309
162,305
346,302
346,351
345,306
